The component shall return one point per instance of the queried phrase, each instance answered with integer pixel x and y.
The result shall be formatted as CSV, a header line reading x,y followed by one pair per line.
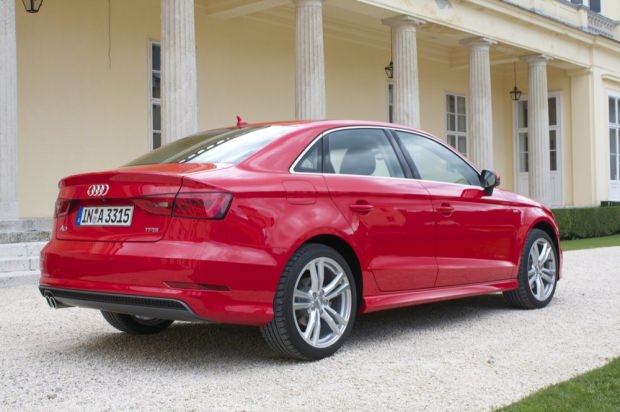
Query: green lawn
x,y
597,390
591,243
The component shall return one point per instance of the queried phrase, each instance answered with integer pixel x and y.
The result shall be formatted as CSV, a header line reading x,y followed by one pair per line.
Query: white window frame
x,y
153,101
458,135
614,185
518,130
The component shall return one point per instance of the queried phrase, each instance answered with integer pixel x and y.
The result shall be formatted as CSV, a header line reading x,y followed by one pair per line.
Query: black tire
x,y
333,304
136,325
537,282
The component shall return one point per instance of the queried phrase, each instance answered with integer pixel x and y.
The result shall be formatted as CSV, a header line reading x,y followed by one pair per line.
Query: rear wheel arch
x,y
348,253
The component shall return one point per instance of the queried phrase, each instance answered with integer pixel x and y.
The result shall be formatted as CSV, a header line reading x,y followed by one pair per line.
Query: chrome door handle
x,y
362,208
445,209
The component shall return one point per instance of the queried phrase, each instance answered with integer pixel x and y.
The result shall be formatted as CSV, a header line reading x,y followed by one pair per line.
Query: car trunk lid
x,y
128,204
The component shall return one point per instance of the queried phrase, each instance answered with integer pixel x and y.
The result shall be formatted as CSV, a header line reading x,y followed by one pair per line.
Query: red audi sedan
x,y
295,227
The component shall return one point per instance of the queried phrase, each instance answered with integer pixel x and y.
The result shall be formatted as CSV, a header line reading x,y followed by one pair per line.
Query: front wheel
x,y
538,272
314,306
136,325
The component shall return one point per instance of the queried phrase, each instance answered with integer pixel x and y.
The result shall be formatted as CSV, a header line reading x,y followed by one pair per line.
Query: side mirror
x,y
489,181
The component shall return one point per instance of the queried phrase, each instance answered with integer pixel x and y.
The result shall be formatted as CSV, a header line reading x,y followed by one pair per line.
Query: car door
x,y
476,233
391,215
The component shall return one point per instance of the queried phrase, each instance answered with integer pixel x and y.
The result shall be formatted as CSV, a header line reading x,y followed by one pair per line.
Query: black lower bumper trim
x,y
160,308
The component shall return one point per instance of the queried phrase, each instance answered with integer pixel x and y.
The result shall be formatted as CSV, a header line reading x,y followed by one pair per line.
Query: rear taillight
x,y
63,207
156,205
202,205
208,205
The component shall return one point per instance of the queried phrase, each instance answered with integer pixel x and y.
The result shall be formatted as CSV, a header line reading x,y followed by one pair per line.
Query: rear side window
x,y
365,152
222,146
311,160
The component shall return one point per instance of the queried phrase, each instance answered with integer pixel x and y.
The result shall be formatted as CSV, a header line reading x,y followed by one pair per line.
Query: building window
x,y
614,139
523,138
553,133
155,95
456,122
594,5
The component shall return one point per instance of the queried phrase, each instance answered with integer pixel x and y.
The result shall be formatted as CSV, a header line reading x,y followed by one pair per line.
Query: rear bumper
x,y
159,308
166,279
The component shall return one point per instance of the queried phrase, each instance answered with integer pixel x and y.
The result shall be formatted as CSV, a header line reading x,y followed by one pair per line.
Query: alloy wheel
x,y
322,302
542,269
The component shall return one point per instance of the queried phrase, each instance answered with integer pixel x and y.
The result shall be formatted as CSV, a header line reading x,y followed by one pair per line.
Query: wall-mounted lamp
x,y
389,70
515,93
32,6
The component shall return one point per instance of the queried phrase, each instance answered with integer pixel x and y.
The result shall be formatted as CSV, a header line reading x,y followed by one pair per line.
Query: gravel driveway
x,y
473,354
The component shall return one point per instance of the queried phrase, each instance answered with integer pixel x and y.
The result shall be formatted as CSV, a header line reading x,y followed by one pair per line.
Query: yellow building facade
x,y
89,97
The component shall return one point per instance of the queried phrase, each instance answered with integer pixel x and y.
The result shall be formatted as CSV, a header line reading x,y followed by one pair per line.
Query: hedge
x,y
580,223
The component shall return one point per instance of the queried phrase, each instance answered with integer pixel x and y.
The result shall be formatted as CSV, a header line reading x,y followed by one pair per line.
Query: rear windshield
x,y
222,146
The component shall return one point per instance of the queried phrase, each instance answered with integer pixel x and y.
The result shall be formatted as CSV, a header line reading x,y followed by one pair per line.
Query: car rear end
x,y
157,240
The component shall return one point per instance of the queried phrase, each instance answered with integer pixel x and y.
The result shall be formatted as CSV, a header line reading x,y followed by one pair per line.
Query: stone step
x,y
11,279
19,264
21,237
20,257
25,230
18,250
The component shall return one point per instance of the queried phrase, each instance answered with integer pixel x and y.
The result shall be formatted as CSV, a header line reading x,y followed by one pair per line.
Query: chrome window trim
x,y
320,136
384,128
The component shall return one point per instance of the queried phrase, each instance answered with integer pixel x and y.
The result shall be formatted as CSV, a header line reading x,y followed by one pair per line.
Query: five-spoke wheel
x,y
322,302
538,272
315,304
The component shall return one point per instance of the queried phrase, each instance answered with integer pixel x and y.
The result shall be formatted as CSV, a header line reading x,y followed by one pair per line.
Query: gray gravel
x,y
473,354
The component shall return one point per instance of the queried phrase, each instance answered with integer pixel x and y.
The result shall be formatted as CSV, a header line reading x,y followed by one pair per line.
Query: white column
x,y
309,61
480,104
406,104
8,112
179,89
538,134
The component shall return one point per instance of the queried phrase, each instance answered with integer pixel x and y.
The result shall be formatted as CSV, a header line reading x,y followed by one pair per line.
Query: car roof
x,y
328,123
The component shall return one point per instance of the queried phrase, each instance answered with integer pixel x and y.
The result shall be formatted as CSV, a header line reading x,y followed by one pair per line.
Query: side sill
x,y
416,297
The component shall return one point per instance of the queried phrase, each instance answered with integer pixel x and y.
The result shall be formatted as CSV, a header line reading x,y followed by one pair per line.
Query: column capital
x,y
473,42
302,3
403,20
533,59
581,72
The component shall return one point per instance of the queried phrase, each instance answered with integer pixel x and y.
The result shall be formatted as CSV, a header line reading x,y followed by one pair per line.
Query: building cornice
x,y
509,24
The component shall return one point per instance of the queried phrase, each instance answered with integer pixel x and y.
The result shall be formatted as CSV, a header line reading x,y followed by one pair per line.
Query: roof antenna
x,y
241,122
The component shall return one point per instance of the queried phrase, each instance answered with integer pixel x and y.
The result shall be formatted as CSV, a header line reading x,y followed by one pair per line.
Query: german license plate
x,y
105,216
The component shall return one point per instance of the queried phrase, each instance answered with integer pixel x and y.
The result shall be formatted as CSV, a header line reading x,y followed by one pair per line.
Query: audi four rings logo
x,y
98,190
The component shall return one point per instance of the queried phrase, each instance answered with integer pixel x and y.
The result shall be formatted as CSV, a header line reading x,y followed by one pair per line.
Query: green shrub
x,y
581,223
